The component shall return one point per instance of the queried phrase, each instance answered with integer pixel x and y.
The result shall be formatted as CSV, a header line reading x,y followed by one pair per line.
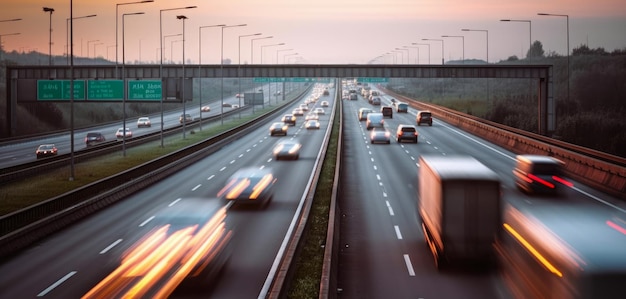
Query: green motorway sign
x,y
105,89
145,90
59,90
291,79
372,80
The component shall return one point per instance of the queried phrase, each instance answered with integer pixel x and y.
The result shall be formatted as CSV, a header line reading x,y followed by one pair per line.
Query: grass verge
x,y
309,262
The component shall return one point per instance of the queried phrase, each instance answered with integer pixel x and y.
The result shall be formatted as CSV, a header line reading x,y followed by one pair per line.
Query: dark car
x,y
402,108
279,129
424,117
386,111
289,119
539,174
376,101
93,138
287,148
46,150
249,186
406,132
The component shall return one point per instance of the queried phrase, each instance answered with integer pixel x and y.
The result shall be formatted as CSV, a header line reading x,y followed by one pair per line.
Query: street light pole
x,y
407,55
124,81
530,43
182,17
164,40
161,63
463,43
70,44
1,35
94,48
439,40
417,57
50,10
487,44
269,85
428,45
116,30
222,68
252,62
200,64
89,42
239,69
567,23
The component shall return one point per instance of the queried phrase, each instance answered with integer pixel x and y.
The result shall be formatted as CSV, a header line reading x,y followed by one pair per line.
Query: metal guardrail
x,y
602,171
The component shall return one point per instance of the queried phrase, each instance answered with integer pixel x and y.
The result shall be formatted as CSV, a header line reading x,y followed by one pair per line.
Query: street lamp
x,y
171,35
252,48
1,35
567,23
109,47
172,50
530,43
50,10
428,45
124,82
200,64
485,31
407,55
222,68
161,63
285,56
272,45
182,17
116,30
463,43
239,68
439,40
269,86
67,43
89,42
417,57
94,48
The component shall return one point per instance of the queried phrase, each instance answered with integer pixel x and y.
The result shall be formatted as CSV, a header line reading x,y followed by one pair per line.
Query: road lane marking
x,y
372,159
375,168
56,284
232,161
240,155
378,177
407,261
196,187
398,233
391,211
223,168
110,246
146,222
174,202
209,178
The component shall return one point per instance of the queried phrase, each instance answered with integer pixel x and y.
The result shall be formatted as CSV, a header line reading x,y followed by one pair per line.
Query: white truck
x,y
459,207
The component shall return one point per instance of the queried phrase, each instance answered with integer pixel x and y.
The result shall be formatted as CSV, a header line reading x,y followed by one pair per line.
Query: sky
x,y
313,32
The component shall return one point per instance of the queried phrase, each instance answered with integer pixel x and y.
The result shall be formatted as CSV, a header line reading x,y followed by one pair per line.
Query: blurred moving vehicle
x,y
319,110
205,109
120,134
562,251
459,208
375,101
287,148
325,93
406,132
304,107
353,97
374,120
289,119
386,111
312,124
184,118
143,122
279,129
185,245
324,104
297,112
93,138
363,113
239,95
46,150
380,135
539,174
250,185
424,117
312,116
402,108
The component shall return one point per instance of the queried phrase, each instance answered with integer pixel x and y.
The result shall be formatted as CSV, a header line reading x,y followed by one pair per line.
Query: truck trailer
x,y
459,207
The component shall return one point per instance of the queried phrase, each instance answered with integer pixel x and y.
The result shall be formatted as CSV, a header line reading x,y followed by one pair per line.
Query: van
x,y
386,111
402,108
539,174
374,120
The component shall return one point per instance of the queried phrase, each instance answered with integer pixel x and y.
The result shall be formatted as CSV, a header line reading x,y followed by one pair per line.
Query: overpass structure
x,y
22,81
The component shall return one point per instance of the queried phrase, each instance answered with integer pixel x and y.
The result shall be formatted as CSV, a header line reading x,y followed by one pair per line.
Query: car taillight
x,y
562,181
541,181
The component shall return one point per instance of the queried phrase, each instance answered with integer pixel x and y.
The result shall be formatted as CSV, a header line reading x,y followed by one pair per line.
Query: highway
x,y
23,151
382,249
70,263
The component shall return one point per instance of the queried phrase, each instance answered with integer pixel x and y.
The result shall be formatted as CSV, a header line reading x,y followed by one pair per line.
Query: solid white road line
x,y
56,284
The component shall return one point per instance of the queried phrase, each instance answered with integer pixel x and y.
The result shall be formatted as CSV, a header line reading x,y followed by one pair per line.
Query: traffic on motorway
x,y
427,211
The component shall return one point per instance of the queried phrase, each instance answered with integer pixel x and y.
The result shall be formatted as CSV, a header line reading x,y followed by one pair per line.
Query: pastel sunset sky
x,y
319,31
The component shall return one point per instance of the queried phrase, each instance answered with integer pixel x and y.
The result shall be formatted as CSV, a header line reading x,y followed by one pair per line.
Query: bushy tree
x,y
536,50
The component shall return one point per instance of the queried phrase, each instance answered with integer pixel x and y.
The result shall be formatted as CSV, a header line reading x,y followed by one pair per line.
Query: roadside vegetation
x,y
591,116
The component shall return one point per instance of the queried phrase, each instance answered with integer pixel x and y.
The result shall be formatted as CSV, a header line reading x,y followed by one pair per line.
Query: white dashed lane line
x,y
409,266
105,250
146,221
174,202
209,178
56,284
196,187
398,233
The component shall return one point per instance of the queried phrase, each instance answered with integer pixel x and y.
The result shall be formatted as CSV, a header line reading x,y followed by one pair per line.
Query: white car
x,y
324,104
143,122
120,133
319,111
